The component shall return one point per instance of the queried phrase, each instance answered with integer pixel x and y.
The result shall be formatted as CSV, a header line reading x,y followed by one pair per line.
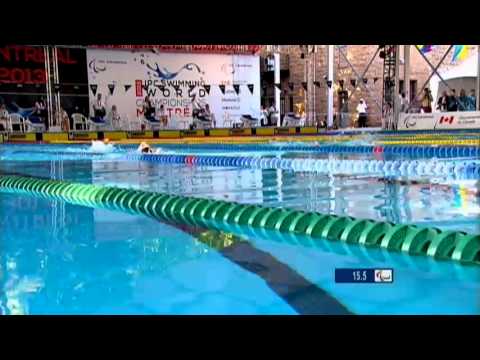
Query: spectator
x,y
114,117
403,103
38,115
362,113
99,111
3,117
209,115
472,101
149,110
271,114
263,116
65,120
452,101
427,101
162,116
463,101
442,102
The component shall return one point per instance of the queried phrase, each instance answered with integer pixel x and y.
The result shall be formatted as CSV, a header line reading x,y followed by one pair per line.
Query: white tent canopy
x,y
462,76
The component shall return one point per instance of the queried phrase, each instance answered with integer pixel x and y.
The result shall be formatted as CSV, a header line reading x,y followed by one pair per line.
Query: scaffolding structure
x,y
390,102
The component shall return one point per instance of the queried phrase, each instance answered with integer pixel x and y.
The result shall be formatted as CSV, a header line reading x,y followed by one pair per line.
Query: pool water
x,y
58,258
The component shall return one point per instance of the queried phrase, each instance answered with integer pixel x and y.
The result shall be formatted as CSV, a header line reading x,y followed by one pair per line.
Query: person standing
x,y
99,111
472,101
209,115
427,101
463,101
442,102
452,101
162,116
263,116
403,103
272,115
115,117
362,113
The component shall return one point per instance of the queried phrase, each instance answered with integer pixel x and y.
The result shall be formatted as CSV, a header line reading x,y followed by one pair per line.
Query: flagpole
x,y
406,71
330,49
277,81
478,78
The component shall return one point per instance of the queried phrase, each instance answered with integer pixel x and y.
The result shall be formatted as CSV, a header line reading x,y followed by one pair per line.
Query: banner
x,y
157,75
209,49
440,121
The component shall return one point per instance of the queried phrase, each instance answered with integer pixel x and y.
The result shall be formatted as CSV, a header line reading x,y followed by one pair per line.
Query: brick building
x,y
298,67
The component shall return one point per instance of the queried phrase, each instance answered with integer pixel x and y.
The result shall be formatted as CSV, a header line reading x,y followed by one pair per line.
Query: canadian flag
x,y
446,119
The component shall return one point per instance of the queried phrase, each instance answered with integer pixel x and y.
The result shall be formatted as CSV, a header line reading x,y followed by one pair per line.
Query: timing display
x,y
363,275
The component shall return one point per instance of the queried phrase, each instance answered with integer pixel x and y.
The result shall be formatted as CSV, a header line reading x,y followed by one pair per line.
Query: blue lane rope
x,y
459,170
403,150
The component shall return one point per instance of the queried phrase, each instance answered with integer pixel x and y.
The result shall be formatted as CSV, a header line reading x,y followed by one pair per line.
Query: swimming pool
x,y
59,258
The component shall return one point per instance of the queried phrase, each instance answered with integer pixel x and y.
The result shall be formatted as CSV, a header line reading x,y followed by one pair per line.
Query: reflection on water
x,y
59,258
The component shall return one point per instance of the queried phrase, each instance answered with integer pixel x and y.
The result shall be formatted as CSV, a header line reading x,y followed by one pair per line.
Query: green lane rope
x,y
411,239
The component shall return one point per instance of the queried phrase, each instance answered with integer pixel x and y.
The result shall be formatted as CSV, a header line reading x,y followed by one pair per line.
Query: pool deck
x,y
247,135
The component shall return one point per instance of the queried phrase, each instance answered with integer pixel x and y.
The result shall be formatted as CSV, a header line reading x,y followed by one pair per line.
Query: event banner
x,y
441,120
126,77
211,49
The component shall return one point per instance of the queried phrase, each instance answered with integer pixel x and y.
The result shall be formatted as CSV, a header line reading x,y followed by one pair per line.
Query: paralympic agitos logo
x,y
409,122
95,68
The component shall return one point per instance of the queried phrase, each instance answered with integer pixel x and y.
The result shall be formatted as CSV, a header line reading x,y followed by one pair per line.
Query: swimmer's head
x,y
144,147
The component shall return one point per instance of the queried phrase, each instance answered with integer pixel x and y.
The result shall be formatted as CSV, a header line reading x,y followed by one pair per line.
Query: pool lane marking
x,y
303,296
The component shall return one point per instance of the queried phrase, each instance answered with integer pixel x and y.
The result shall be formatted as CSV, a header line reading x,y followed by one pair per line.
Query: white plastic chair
x,y
92,125
79,119
134,124
17,119
31,126
180,122
149,124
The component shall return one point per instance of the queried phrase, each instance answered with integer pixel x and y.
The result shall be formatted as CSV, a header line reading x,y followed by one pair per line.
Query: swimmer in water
x,y
102,146
144,148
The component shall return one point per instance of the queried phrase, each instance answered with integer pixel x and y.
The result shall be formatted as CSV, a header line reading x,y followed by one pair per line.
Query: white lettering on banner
x,y
445,120
173,80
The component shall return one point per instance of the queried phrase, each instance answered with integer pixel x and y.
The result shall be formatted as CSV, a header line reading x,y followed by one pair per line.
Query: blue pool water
x,y
58,258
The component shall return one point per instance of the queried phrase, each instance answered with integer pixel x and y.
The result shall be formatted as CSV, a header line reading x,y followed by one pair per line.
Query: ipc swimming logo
x,y
165,74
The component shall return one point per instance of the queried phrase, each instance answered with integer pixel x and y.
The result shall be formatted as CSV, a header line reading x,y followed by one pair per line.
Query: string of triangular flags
x,y
223,88
328,83
207,88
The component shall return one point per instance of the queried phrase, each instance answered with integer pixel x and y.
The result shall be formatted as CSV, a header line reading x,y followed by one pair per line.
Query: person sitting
x,y
162,116
99,111
3,117
149,110
114,117
37,116
202,116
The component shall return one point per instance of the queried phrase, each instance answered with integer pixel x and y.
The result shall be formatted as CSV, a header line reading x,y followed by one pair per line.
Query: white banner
x,y
444,120
147,72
